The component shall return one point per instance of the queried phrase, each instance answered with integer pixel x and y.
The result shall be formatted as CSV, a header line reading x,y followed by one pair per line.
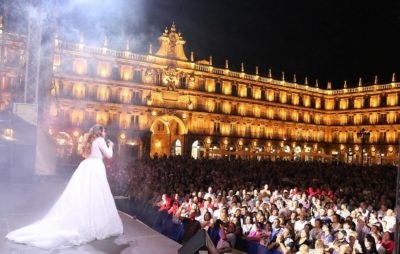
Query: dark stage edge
x,y
25,200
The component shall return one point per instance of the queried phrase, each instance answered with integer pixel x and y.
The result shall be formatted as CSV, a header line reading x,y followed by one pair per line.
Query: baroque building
x,y
165,102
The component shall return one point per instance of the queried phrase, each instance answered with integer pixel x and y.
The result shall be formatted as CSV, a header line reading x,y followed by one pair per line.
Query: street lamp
x,y
363,135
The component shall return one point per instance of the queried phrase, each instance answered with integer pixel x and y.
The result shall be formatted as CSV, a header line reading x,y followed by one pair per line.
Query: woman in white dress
x,y
85,210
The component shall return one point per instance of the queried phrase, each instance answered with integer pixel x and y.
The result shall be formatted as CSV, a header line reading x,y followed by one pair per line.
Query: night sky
x,y
325,40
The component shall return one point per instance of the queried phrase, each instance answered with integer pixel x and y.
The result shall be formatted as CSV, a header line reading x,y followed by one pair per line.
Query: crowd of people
x,y
291,207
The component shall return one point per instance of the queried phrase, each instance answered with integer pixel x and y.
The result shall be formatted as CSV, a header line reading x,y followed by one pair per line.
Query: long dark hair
x,y
94,132
371,240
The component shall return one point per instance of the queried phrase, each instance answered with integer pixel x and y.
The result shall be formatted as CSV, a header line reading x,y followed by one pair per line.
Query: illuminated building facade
x,y
165,102
12,76
12,67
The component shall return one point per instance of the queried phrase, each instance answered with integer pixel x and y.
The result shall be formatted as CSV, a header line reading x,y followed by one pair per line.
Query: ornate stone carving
x,y
171,78
148,76
191,81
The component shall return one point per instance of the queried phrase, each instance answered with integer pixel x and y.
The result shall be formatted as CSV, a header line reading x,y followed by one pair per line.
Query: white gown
x,y
84,212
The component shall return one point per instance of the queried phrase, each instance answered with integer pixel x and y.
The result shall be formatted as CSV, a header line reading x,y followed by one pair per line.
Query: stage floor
x,y
25,200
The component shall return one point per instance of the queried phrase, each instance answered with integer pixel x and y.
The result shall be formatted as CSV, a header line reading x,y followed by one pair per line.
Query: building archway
x,y
215,150
176,149
297,153
168,136
197,150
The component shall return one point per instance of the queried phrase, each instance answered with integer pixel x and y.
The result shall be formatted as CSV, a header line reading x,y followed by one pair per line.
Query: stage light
x,y
122,136
76,134
8,133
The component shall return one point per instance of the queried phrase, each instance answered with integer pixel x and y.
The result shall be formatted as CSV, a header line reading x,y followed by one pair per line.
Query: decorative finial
x,y
81,38
226,64
376,80
306,81
173,28
269,73
257,70
105,42
242,67
192,56
329,86
128,44
283,76
316,83
294,78
211,63
360,82
151,49
166,31
394,77
345,84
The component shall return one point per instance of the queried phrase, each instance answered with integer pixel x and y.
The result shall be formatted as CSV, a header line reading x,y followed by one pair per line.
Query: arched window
x,y
197,150
177,149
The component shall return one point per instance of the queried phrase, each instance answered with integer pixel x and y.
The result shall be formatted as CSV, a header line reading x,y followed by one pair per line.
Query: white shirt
x,y
299,225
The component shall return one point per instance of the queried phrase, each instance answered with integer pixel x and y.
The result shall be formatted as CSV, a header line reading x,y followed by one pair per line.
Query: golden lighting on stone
x,y
79,66
104,70
211,105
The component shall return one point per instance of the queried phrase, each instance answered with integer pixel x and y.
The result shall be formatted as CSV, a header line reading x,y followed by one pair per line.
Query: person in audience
x,y
350,203
326,235
207,221
248,225
368,245
284,242
299,225
336,225
316,232
228,237
387,242
303,239
304,249
165,203
390,220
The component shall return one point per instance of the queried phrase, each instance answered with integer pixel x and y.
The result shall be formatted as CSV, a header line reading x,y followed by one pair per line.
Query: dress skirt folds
x,y
85,211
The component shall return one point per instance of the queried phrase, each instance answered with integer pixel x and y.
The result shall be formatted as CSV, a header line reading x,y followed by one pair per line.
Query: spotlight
x,y
8,133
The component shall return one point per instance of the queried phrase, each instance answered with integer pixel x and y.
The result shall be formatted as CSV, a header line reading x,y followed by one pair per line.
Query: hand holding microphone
x,y
110,143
